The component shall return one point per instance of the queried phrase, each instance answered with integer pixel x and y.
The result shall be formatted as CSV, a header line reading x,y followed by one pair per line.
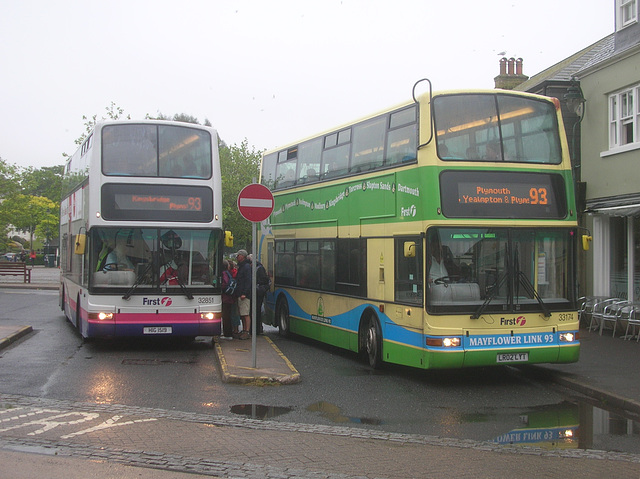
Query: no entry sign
x,y
255,202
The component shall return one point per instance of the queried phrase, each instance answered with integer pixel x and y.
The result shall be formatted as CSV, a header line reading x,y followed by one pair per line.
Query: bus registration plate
x,y
513,358
157,330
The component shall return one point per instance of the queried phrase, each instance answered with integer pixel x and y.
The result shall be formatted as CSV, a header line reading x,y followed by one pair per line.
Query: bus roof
x,y
422,98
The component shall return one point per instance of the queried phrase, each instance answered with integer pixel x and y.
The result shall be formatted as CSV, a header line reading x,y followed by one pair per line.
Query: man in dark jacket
x,y
243,292
262,286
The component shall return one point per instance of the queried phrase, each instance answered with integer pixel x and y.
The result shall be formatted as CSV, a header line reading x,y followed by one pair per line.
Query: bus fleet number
x,y
206,299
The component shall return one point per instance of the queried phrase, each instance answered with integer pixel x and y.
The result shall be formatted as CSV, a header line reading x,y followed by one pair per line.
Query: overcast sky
x,y
270,71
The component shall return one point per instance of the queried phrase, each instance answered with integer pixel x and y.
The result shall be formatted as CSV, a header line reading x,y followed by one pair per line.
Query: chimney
x,y
510,74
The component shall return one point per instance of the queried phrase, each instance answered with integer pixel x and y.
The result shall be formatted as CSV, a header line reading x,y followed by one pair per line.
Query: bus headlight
x,y
453,342
102,316
568,337
210,316
566,434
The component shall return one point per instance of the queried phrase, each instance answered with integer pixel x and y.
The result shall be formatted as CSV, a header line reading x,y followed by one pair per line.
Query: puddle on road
x,y
567,425
575,426
334,414
258,411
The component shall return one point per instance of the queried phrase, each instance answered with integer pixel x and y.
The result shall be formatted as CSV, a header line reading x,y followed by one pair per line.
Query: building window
x,y
627,13
624,117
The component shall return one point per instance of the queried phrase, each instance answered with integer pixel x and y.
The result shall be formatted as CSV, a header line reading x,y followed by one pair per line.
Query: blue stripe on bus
x,y
400,334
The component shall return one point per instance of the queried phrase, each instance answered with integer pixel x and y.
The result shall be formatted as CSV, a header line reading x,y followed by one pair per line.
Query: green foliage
x,y
26,212
48,227
8,184
240,166
183,117
31,201
46,181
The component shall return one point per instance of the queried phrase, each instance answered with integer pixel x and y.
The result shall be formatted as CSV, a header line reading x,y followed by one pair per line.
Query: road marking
x,y
70,419
107,424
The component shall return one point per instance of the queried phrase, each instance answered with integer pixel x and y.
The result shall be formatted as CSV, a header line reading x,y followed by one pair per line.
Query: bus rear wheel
x,y
282,314
373,343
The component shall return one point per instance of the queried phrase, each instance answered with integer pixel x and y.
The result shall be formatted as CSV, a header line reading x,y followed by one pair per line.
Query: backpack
x,y
231,285
263,282
262,279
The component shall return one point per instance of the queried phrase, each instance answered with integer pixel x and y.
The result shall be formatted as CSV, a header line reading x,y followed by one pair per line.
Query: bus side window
x,y
335,161
401,145
368,145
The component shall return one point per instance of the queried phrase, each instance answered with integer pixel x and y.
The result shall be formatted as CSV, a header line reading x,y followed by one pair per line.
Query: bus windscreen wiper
x,y
528,286
522,279
184,289
494,291
137,282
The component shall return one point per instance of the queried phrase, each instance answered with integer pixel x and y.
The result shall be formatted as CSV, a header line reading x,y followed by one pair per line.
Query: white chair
x,y
633,320
612,312
597,312
585,306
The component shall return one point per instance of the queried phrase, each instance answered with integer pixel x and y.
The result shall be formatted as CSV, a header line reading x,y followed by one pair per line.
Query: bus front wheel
x,y
282,313
373,343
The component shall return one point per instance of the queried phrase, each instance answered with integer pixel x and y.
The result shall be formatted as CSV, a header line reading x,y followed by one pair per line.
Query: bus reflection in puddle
x,y
566,425
575,426
334,414
258,411
557,427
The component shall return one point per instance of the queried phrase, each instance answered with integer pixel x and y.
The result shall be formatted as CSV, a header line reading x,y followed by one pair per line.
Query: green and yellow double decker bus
x,y
439,233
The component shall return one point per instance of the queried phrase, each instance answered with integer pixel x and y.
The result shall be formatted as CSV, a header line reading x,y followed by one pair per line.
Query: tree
x,y
27,212
46,181
8,187
239,166
8,184
183,117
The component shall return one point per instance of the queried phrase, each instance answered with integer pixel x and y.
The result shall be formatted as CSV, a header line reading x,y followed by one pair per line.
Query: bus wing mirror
x,y
586,240
409,249
81,242
228,239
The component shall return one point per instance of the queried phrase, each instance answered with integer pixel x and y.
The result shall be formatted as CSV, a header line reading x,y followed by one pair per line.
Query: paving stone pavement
x,y
229,447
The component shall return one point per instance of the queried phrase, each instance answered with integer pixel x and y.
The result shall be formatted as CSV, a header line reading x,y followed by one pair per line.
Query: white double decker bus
x,y
141,231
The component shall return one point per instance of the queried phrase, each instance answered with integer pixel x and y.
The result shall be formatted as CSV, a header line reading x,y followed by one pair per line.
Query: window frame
x,y
624,115
626,8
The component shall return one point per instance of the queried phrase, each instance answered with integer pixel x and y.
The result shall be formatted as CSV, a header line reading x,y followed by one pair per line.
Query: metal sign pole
x,y
255,203
254,294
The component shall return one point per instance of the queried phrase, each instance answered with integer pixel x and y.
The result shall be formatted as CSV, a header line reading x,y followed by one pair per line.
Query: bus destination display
x,y
488,194
154,202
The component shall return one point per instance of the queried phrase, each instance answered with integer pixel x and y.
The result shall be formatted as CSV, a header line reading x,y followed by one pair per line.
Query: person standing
x,y
32,257
262,286
235,317
228,302
243,292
